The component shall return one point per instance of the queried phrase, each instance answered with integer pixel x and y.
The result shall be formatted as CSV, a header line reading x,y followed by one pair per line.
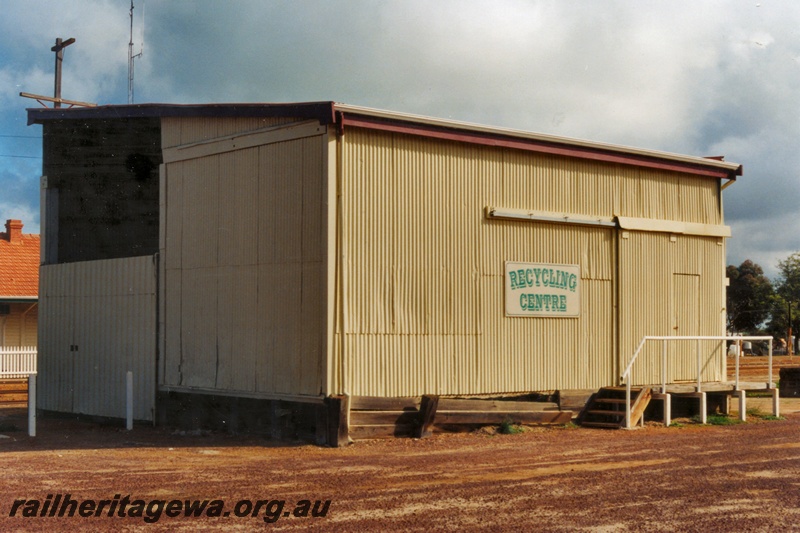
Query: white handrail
x,y
626,374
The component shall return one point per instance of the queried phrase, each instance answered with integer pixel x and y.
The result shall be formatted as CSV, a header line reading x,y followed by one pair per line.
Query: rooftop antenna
x,y
131,57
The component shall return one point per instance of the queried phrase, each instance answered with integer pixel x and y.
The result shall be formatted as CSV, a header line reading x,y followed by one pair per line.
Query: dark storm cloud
x,y
699,77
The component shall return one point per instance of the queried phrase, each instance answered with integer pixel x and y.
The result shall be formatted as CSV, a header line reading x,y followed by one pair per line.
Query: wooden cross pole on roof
x,y
56,99
59,50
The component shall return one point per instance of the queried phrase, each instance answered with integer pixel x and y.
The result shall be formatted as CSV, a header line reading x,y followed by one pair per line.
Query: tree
x,y
785,314
789,280
749,298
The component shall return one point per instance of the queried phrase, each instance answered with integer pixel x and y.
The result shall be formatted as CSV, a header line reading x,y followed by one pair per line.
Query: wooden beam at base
x,y
378,417
338,408
382,418
427,414
381,431
574,399
456,404
498,417
412,403
377,403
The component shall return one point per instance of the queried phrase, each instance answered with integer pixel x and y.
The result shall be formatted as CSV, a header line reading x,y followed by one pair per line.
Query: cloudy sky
x,y
698,77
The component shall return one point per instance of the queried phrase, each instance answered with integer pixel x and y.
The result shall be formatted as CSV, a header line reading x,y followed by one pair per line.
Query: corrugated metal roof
x,y
342,115
577,147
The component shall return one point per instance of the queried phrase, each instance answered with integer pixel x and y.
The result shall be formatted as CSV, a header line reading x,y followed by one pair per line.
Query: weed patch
x,y
759,394
755,412
717,420
508,427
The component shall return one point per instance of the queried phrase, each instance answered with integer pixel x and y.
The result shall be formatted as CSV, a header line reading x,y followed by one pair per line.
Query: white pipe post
x,y
699,366
776,403
664,368
769,381
32,405
129,401
738,355
703,408
742,405
667,410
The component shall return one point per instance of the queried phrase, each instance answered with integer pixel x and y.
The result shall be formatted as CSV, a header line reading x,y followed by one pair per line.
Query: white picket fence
x,y
20,362
17,361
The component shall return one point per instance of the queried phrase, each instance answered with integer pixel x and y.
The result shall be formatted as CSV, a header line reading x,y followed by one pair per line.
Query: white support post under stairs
x,y
742,404
703,407
776,403
666,400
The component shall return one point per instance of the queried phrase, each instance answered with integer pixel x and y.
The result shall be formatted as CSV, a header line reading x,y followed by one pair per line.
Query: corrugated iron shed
x,y
320,248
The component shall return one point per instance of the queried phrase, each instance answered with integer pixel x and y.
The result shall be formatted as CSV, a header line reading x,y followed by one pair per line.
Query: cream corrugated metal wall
x,y
421,286
672,285
19,328
177,131
110,330
244,244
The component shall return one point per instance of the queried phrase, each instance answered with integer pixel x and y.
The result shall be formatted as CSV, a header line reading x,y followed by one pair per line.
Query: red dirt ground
x,y
742,477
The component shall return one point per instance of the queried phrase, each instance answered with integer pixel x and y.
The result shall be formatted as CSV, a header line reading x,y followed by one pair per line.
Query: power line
x,y
21,156
20,136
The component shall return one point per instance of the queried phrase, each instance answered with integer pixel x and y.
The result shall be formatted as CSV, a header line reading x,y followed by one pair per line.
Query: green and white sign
x,y
541,289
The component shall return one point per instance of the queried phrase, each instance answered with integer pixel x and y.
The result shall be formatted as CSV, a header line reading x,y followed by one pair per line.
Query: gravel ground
x,y
741,477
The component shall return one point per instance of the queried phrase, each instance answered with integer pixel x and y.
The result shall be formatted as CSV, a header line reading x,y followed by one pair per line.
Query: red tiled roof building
x,y
19,285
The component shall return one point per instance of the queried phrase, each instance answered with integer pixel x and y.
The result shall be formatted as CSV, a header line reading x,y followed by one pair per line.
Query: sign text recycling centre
x,y
540,289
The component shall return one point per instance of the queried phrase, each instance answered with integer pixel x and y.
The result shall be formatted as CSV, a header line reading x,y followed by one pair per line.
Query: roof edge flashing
x,y
390,116
323,111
